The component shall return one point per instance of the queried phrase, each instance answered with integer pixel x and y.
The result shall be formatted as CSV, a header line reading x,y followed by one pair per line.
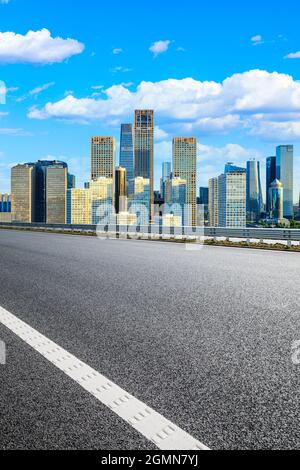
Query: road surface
x,y
204,338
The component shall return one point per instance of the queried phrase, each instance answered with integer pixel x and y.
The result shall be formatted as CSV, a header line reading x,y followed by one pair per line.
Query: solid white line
x,y
157,429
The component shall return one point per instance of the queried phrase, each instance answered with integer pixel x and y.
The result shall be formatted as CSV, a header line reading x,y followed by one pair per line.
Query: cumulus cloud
x,y
36,47
293,55
159,47
246,101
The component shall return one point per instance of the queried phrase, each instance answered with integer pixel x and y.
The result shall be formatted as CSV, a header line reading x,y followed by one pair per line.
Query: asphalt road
x,y
203,337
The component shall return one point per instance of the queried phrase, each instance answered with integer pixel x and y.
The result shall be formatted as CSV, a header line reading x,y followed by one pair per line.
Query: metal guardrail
x,y
210,232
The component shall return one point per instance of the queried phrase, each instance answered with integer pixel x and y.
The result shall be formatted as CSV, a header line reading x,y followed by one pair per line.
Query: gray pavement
x,y
203,337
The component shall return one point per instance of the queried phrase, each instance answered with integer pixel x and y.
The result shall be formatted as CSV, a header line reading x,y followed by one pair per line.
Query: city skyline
x,y
53,110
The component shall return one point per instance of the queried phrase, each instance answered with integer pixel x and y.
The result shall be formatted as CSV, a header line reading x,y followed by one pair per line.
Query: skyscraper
x,y
40,192
270,177
213,202
232,200
166,176
276,200
56,194
5,203
232,168
79,207
144,150
127,153
140,202
285,174
185,167
254,191
103,157
120,190
102,200
22,189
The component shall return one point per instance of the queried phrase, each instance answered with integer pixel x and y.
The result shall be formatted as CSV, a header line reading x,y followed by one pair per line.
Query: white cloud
x,y
258,39
40,89
36,47
243,101
159,47
117,51
293,55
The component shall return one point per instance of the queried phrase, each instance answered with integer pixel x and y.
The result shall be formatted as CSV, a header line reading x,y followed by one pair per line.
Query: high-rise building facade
x,y
127,153
232,200
254,192
103,157
276,200
213,202
166,177
22,193
144,150
40,193
140,202
185,167
5,203
79,207
270,178
178,204
120,190
56,194
102,191
285,174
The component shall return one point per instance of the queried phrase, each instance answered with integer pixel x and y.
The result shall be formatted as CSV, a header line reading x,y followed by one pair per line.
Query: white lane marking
x,y
157,429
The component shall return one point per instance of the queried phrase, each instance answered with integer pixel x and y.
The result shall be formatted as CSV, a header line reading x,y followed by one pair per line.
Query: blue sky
x,y
225,72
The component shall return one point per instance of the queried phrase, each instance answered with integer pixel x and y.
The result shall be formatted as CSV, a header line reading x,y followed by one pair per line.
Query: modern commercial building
x,y
232,168
127,153
270,178
166,176
5,203
285,174
140,202
276,195
213,202
56,194
79,207
254,192
144,151
232,200
22,193
185,167
71,181
40,192
102,200
203,196
120,190
178,206
103,157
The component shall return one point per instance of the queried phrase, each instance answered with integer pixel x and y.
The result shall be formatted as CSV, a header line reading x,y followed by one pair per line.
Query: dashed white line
x,y
152,425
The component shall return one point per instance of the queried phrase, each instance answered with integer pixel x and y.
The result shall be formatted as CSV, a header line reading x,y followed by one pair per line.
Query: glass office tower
x,y
144,150
232,200
166,177
270,178
127,152
41,187
285,174
276,200
185,167
254,192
